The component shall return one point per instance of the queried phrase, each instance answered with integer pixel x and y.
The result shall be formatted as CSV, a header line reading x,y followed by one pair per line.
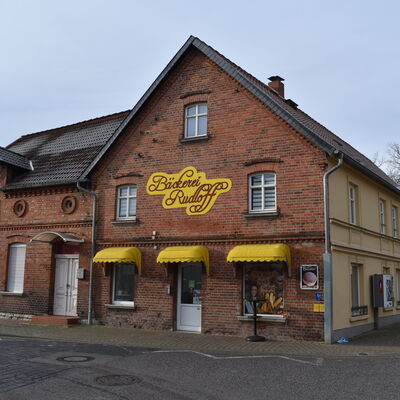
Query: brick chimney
x,y
277,84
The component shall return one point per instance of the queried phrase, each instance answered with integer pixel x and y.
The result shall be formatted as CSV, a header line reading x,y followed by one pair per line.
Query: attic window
x,y
196,120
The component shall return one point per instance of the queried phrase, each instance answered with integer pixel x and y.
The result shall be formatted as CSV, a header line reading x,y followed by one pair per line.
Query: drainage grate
x,y
362,354
73,359
117,380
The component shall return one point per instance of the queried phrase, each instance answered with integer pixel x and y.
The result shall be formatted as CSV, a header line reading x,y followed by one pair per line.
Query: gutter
x,y
93,249
328,291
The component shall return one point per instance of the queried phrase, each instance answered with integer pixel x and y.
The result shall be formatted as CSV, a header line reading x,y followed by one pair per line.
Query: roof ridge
x,y
64,127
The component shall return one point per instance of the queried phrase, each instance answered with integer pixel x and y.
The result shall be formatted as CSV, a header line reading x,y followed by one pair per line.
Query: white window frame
x,y
395,227
196,118
129,198
382,217
262,186
119,302
13,286
352,204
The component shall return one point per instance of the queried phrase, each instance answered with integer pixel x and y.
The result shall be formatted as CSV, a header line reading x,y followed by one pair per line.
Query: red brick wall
x,y
241,130
43,214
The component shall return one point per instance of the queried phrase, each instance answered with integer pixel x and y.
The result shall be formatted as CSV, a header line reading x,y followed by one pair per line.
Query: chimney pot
x,y
277,84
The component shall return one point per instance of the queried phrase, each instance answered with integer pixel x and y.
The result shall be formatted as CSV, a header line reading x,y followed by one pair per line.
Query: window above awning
x,y
185,254
48,237
261,252
120,255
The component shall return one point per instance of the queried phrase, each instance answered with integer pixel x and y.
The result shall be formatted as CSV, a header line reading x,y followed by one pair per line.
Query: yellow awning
x,y
120,255
185,254
261,252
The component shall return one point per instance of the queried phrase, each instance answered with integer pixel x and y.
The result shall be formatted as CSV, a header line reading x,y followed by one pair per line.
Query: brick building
x,y
210,193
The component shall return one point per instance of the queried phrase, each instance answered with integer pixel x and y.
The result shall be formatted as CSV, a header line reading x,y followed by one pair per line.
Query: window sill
x,y
121,306
194,139
133,221
4,293
359,318
264,318
272,214
387,309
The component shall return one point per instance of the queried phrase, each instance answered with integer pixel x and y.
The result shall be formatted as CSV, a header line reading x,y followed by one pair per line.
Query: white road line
x,y
317,363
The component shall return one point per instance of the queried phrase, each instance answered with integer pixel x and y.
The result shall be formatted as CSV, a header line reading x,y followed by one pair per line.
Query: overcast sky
x,y
68,61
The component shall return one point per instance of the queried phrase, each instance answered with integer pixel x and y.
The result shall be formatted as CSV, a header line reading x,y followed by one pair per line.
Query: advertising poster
x,y
387,291
309,277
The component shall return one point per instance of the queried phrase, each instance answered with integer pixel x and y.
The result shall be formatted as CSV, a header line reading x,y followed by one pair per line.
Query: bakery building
x,y
212,191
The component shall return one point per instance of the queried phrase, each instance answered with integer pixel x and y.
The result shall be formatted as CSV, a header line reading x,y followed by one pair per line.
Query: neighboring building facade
x,y
209,194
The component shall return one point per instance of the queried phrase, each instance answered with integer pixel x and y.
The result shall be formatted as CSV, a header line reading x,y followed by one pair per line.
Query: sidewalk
x,y
385,342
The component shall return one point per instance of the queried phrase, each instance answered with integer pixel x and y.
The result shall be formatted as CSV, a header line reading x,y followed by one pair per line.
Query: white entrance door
x,y
189,297
66,285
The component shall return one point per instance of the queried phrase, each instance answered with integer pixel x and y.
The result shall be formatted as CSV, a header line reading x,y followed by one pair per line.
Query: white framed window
x,y
352,204
262,192
355,286
395,222
382,216
123,284
16,268
196,120
263,281
126,203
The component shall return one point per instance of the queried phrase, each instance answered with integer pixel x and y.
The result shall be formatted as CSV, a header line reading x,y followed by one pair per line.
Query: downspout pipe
x,y
328,286
93,249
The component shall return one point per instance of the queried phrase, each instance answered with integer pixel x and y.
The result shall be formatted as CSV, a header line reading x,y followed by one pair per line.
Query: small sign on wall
x,y
80,273
309,277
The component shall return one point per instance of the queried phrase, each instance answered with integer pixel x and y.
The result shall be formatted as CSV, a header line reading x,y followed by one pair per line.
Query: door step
x,y
54,320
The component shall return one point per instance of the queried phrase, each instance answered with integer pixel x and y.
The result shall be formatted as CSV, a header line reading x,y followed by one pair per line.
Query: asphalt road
x,y
37,369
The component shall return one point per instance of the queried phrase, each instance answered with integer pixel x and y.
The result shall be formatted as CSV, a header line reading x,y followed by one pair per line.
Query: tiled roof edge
x,y
14,159
75,124
16,186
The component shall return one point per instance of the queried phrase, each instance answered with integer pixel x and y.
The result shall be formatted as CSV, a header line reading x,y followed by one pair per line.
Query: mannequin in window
x,y
248,303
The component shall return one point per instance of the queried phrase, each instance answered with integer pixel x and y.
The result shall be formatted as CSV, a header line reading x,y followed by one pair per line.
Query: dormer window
x,y
196,120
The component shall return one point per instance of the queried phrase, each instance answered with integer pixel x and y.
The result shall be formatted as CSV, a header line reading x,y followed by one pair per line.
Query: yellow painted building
x,y
364,227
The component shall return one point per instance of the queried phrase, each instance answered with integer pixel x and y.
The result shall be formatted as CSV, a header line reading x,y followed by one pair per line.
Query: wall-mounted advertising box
x,y
309,277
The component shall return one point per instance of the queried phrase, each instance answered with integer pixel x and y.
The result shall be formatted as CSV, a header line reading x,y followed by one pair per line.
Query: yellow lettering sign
x,y
189,189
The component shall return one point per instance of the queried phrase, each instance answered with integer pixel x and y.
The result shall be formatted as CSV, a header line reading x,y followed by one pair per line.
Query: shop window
x,y
382,216
263,282
126,204
262,192
352,204
123,284
196,120
395,222
16,268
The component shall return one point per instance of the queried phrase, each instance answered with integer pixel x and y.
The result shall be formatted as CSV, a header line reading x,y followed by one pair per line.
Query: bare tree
x,y
392,164
378,160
